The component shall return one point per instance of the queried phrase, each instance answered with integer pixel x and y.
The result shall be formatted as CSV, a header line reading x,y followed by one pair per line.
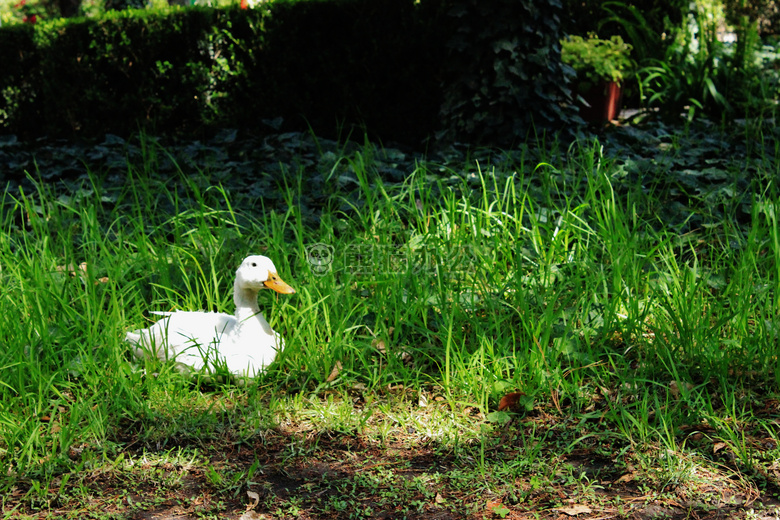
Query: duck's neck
x,y
245,300
248,315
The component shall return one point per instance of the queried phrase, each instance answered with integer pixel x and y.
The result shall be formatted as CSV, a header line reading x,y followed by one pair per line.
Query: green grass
x,y
561,279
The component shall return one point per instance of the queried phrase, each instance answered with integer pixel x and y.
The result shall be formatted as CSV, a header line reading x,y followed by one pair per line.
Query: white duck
x,y
244,342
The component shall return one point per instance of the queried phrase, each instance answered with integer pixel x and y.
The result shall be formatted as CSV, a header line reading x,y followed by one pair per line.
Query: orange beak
x,y
277,284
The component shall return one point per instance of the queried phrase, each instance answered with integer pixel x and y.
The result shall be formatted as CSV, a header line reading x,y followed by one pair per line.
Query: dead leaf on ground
x,y
71,269
510,402
628,477
254,497
335,372
718,446
379,345
574,510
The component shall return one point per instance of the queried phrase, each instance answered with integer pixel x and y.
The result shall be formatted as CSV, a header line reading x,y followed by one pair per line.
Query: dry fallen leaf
x,y
335,372
574,510
510,402
254,497
439,499
71,269
718,446
252,515
379,345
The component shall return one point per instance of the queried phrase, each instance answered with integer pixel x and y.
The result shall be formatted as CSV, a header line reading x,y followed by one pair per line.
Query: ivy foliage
x,y
504,74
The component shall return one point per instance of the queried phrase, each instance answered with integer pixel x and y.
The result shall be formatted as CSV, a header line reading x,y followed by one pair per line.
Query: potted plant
x,y
602,66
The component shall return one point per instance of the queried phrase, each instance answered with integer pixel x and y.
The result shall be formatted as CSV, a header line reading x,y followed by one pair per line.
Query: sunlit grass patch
x,y
420,303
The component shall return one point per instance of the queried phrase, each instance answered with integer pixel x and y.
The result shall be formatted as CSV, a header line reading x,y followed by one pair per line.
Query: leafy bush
x,y
18,83
596,59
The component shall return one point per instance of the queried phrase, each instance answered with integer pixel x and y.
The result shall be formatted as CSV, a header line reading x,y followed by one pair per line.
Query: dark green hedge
x,y
19,72
401,69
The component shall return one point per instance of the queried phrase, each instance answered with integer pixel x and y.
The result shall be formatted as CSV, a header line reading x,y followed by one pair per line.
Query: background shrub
x,y
402,70
19,61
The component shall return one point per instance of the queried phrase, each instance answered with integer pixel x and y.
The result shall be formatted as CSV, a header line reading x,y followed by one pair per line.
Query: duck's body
x,y
245,343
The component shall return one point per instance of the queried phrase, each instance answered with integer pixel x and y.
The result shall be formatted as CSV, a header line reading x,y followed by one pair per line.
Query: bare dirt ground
x,y
332,475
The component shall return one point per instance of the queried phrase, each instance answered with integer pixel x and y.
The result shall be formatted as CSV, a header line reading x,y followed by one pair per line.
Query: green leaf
x,y
501,510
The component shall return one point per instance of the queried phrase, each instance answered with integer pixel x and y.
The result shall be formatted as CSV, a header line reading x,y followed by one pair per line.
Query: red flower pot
x,y
602,102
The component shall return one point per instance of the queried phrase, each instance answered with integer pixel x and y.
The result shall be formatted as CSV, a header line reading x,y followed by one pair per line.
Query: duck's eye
x,y
254,264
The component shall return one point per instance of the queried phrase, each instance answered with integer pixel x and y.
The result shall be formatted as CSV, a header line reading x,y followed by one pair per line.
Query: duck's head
x,y
259,272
